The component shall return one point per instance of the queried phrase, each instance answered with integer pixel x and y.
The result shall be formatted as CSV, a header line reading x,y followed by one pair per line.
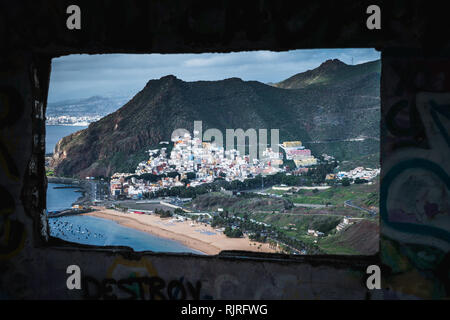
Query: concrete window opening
x,y
414,91
253,153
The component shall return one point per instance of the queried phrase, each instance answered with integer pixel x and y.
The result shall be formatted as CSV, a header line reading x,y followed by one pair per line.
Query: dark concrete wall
x,y
415,99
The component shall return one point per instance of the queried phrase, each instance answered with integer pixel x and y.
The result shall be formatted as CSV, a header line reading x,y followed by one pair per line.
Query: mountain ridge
x,y
328,71
314,112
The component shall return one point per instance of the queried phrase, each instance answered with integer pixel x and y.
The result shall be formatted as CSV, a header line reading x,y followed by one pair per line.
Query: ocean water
x,y
60,199
101,232
54,133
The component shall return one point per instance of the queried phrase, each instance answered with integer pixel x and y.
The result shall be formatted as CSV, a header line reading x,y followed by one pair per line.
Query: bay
x,y
101,232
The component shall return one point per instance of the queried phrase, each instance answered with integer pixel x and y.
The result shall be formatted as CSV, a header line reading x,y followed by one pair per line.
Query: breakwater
x,y
69,183
66,187
64,180
68,212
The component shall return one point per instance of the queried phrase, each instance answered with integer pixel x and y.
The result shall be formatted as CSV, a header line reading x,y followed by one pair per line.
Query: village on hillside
x,y
191,163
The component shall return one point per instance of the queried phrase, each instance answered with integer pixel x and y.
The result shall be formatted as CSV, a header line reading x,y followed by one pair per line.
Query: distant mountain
x,y
331,72
334,109
96,105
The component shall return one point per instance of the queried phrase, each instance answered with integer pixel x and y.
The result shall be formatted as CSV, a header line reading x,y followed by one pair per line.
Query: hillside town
x,y
192,162
295,151
358,173
66,120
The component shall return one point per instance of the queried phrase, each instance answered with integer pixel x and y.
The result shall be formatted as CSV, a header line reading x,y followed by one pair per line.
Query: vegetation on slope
x,y
336,195
325,117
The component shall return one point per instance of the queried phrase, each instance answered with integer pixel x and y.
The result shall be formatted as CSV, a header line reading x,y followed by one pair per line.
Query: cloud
x,y
79,76
208,61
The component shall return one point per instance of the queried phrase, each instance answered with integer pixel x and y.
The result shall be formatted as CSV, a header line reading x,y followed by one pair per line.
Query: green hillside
x,y
339,117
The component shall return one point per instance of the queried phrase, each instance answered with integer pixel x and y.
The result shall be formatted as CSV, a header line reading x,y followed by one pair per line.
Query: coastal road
x,y
98,191
94,191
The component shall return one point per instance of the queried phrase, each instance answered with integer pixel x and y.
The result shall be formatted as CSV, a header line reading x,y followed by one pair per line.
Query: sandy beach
x,y
194,235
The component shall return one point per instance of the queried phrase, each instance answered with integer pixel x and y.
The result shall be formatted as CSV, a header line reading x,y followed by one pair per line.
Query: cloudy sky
x,y
82,76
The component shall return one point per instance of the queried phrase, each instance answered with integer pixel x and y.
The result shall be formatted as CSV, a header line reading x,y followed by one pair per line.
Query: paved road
x,y
308,205
350,204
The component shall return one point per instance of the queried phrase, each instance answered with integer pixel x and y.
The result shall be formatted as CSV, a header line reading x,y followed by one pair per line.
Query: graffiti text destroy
x,y
144,288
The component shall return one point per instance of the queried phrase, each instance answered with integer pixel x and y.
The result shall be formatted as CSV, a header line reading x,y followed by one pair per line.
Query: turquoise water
x,y
101,232
54,133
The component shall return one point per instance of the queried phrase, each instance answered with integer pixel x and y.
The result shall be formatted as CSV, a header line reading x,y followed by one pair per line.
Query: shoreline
x,y
83,187
187,233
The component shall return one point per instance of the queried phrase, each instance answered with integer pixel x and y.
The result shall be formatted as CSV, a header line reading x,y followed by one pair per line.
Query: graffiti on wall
x,y
415,189
139,280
